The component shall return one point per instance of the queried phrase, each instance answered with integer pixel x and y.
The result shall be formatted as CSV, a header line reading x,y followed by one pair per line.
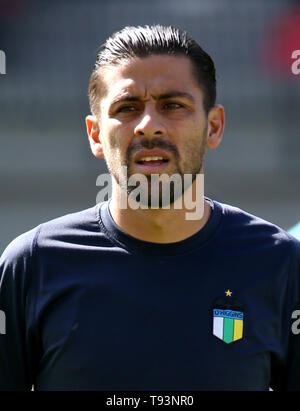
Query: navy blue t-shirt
x,y
89,307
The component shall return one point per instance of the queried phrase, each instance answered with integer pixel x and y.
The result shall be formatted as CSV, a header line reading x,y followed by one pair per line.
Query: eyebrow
x,y
171,94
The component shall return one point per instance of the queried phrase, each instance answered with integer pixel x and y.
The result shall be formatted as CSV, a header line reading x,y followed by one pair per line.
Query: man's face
x,y
153,110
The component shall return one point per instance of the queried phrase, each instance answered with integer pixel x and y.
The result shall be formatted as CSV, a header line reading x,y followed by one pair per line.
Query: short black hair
x,y
131,42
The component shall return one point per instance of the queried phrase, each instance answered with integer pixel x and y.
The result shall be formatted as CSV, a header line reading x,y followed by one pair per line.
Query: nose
x,y
150,125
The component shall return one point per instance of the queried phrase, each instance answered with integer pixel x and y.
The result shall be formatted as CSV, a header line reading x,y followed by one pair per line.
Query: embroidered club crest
x,y
228,320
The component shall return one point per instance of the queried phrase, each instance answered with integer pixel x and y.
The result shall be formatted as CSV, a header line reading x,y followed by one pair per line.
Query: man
x,y
120,297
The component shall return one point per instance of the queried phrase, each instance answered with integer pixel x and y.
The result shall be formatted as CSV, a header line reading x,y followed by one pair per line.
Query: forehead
x,y
156,74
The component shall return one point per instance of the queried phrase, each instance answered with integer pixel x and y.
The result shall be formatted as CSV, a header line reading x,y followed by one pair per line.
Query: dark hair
x,y
144,41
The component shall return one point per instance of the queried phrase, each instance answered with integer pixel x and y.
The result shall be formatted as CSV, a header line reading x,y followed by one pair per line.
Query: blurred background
x,y
46,167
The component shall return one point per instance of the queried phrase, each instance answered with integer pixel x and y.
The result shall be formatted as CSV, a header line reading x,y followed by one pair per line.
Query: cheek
x,y
187,135
194,140
110,134
113,142
117,141
112,137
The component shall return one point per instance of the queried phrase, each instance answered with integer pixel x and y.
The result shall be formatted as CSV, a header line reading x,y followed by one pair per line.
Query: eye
x,y
172,106
126,109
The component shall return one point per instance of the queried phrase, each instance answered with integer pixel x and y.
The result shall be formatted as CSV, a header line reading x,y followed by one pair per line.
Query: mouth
x,y
151,161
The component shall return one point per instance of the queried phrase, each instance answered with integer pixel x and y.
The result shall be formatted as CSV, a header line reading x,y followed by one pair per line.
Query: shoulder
x,y
20,248
69,226
237,217
244,225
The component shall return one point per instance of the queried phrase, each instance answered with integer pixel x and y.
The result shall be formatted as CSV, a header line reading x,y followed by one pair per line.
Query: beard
x,y
154,191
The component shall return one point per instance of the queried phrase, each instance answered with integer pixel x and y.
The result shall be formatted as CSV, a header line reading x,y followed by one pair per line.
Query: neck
x,y
162,225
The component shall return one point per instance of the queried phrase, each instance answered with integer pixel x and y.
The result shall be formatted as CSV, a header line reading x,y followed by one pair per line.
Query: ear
x,y
216,124
93,132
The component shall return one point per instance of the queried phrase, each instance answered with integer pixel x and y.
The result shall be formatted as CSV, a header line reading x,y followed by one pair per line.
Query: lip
x,y
156,152
151,166
156,167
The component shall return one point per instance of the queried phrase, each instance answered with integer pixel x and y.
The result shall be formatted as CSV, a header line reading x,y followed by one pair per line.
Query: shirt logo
x,y
228,325
228,318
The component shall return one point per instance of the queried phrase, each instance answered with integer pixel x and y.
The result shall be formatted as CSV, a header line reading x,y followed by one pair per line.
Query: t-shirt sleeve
x,y
17,350
285,370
